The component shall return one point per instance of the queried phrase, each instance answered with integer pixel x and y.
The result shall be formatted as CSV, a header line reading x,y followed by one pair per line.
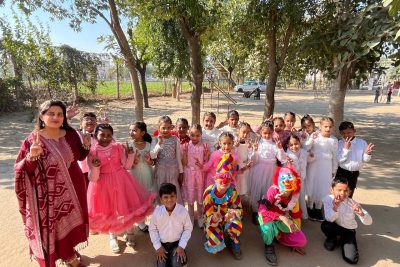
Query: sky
x,y
61,32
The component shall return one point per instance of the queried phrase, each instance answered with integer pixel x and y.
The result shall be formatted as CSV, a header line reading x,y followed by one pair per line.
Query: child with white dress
x,y
195,153
166,149
321,169
232,124
142,168
297,157
244,151
265,157
210,133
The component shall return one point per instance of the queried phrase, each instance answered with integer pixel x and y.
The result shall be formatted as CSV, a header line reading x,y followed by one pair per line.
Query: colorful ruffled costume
x,y
228,202
275,204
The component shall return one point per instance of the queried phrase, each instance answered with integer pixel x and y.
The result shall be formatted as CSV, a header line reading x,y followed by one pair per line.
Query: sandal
x,y
114,245
75,263
145,229
298,250
130,240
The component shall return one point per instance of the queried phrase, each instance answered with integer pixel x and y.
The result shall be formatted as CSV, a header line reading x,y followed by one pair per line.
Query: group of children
x,y
284,174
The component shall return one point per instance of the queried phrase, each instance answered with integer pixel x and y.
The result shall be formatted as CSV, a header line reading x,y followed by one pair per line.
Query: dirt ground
x,y
378,187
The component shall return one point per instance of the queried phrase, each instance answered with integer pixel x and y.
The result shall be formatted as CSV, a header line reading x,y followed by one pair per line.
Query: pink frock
x,y
193,184
115,200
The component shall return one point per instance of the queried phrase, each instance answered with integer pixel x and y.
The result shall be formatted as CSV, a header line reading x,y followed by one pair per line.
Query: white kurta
x,y
321,169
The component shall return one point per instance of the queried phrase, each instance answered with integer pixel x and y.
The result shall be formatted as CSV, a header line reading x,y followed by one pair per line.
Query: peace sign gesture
x,y
36,148
278,142
72,111
347,143
369,149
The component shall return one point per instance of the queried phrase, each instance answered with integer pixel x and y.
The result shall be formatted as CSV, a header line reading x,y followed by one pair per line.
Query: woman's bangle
x,y
86,147
30,158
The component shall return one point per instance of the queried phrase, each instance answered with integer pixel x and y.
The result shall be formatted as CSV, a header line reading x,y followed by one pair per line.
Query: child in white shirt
x,y
340,212
352,153
170,229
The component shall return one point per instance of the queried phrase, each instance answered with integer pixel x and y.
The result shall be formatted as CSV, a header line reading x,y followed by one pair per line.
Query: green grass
x,y
108,88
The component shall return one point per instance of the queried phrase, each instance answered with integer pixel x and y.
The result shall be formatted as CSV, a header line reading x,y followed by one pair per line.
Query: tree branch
x,y
95,10
286,42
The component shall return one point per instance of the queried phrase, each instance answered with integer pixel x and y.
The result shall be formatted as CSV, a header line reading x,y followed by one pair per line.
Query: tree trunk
x,y
275,64
314,87
164,87
33,99
196,66
117,71
130,62
174,87
338,94
142,72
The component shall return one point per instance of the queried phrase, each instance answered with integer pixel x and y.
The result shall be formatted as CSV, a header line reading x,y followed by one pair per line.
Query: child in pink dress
x,y
226,147
195,153
115,200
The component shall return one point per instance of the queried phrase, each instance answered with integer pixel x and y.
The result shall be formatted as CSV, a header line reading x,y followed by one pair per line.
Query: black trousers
x,y
172,261
347,241
351,177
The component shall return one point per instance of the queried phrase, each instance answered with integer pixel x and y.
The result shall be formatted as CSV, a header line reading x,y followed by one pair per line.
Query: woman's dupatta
x,y
47,201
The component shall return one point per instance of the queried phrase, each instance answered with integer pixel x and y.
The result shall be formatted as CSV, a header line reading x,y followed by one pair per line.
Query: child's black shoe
x,y
270,255
255,218
330,243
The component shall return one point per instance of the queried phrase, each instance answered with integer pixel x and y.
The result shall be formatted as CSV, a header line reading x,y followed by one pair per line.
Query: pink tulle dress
x,y
115,200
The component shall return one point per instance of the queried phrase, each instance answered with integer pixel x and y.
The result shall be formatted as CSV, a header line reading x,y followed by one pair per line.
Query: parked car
x,y
249,86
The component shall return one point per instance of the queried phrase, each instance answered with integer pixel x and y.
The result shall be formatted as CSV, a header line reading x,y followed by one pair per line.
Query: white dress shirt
x,y
345,215
170,228
352,159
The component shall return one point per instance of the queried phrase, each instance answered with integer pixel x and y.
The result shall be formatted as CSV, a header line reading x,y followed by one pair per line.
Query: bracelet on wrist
x,y
86,147
31,158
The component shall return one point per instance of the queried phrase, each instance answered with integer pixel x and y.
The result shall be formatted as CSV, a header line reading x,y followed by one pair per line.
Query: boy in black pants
x,y
352,153
170,229
340,222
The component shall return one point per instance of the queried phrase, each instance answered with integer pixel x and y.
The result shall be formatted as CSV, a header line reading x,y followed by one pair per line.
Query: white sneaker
x,y
114,245
200,222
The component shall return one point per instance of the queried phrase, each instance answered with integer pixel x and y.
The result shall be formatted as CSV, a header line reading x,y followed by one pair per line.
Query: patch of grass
x,y
108,88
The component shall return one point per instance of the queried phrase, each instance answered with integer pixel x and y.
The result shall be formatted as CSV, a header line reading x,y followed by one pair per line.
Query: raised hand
x,y
347,143
87,139
314,135
207,152
160,139
72,111
217,217
369,149
96,161
129,149
278,142
148,159
36,148
356,207
336,203
104,118
255,146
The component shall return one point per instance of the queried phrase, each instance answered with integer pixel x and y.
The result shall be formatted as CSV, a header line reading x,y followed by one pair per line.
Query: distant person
x,y
377,94
389,94
340,223
170,229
